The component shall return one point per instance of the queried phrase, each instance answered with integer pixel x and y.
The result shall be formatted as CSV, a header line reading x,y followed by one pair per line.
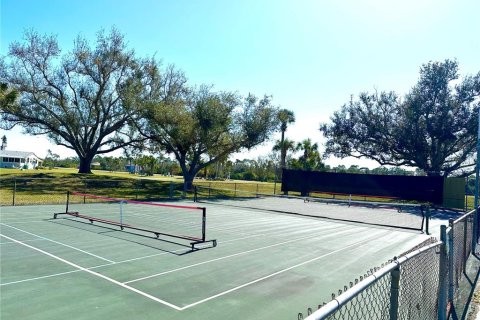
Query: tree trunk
x,y
85,165
188,181
283,151
283,156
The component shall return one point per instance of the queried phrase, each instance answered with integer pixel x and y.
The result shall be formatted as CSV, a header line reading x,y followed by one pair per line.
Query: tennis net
x,y
384,214
155,219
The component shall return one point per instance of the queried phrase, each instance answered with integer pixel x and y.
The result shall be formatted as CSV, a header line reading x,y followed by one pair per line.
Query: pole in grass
x,y
68,201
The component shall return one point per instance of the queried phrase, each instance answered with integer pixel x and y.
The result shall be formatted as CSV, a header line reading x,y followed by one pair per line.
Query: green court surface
x,y
266,266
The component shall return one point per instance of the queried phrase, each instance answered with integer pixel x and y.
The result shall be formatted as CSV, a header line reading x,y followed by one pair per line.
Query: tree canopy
x,y
310,158
8,96
81,100
433,128
199,126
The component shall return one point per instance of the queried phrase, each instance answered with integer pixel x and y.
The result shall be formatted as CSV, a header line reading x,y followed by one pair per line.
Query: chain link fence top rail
x,y
391,292
421,284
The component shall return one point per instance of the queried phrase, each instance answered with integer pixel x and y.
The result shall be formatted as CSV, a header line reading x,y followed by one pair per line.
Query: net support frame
x,y
400,207
194,241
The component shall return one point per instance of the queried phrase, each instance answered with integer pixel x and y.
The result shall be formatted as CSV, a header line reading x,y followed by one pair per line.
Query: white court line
x,y
108,264
10,242
276,273
124,261
129,260
63,244
26,221
96,274
228,256
38,278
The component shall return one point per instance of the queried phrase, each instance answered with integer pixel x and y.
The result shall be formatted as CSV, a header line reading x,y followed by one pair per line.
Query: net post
x,y
394,293
442,283
121,215
204,222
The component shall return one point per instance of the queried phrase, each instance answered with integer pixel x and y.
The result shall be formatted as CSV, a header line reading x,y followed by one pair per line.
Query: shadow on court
x,y
123,235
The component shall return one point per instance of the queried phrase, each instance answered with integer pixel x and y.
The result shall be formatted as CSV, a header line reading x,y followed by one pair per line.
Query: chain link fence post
x,y
451,284
442,283
465,254
394,292
137,188
14,190
85,186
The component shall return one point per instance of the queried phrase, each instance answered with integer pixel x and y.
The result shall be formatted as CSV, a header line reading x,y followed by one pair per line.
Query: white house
x,y
19,159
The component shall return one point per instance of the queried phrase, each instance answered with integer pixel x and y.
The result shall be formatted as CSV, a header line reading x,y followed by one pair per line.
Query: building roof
x,y
16,154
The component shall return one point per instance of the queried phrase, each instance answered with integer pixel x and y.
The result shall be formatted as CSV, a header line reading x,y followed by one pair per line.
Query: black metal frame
x,y
424,209
157,234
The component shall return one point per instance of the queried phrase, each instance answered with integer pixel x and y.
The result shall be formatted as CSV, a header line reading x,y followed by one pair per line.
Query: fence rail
x,y
422,284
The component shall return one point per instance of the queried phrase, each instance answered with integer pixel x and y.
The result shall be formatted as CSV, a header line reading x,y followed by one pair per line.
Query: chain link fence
x,y
35,191
423,283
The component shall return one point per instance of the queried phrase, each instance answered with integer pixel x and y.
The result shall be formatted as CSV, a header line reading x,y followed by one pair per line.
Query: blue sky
x,y
311,56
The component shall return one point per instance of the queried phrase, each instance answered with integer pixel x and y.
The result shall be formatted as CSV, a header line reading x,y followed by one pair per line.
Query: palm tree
x,y
310,160
285,117
283,147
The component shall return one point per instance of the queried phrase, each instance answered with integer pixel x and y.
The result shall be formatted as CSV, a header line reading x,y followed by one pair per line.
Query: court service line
x,y
96,274
226,257
63,244
277,273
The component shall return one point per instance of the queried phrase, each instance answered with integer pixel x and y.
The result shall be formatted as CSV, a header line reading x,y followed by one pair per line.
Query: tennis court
x,y
266,265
